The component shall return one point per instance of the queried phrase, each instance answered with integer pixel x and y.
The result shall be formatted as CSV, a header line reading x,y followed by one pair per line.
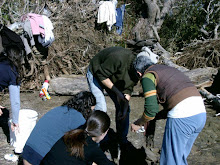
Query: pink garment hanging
x,y
37,23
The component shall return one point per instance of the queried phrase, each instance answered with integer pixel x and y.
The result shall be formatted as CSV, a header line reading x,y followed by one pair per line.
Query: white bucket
x,y
27,121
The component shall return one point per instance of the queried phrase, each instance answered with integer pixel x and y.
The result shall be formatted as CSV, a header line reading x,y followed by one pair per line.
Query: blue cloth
x,y
48,130
31,155
119,19
179,136
96,88
8,76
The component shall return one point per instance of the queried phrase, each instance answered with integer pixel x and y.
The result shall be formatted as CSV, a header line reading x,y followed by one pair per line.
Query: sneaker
x,y
11,157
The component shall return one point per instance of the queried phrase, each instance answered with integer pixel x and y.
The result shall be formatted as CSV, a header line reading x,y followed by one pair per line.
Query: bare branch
x,y
216,31
2,3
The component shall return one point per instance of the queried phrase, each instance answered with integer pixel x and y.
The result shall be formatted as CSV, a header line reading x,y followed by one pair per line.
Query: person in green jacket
x,y
112,69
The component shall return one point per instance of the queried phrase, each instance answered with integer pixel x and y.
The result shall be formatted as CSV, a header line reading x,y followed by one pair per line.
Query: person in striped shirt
x,y
186,116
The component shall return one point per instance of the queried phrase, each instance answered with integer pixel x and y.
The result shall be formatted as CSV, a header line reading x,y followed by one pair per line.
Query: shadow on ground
x,y
4,123
126,154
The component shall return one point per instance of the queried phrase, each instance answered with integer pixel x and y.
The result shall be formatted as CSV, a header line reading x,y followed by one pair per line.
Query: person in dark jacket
x,y
80,146
112,69
10,77
177,94
55,123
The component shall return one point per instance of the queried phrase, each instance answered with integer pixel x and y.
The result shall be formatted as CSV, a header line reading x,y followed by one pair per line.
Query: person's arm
x,y
109,67
122,98
108,83
14,93
151,107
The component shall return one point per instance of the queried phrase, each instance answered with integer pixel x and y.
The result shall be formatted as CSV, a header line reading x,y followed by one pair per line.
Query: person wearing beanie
x,y
186,116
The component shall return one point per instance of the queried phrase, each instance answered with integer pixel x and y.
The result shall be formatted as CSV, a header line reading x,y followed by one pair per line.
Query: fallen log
x,y
202,77
214,100
67,85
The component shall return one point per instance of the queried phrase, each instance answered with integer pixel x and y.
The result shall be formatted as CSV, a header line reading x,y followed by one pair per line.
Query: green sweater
x,y
151,106
115,63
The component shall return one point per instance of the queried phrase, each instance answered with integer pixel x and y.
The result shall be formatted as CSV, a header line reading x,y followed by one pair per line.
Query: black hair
x,y
15,56
97,124
82,102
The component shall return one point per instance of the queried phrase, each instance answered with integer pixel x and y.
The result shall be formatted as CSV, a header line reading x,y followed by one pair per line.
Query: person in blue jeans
x,y
186,116
10,77
112,70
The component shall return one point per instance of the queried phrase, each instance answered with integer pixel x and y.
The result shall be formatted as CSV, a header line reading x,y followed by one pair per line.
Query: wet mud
x,y
205,151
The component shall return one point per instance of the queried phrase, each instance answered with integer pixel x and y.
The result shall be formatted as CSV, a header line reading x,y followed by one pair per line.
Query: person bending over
x,y
55,123
186,116
112,69
80,146
10,77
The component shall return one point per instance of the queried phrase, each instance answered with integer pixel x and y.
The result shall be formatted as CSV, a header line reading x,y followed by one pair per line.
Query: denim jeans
x,y
96,88
97,91
179,136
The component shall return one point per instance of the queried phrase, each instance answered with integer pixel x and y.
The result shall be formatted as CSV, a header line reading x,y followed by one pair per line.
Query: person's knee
x,y
100,103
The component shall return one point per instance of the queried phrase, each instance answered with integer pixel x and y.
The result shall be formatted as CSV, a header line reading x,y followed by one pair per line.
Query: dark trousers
x,y
122,126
